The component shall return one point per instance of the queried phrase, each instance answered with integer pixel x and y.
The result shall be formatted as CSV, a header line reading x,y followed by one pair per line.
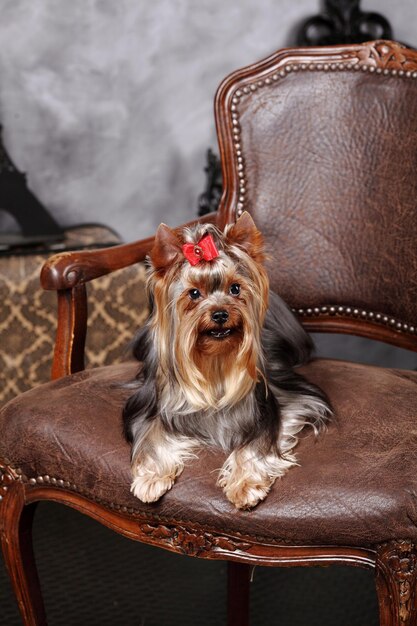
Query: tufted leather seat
x,y
320,146
347,486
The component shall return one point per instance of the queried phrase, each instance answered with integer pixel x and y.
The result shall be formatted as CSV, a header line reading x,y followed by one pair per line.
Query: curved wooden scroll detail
x,y
16,518
396,576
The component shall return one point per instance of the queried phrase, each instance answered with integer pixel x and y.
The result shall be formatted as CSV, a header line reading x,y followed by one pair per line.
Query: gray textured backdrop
x,y
107,104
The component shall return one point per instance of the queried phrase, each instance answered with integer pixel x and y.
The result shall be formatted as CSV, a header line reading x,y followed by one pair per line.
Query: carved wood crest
x,y
192,543
388,55
400,559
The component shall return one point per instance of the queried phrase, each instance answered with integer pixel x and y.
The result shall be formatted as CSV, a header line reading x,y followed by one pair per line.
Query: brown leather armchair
x,y
320,146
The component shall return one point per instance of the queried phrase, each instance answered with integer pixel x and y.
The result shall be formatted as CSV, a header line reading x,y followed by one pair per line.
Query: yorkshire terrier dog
x,y
217,366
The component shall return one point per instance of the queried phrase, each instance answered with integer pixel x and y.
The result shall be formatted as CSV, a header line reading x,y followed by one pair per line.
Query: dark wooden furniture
x,y
38,227
342,22
320,145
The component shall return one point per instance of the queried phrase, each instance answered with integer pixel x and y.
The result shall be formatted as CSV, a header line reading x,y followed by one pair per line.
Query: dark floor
x,y
93,577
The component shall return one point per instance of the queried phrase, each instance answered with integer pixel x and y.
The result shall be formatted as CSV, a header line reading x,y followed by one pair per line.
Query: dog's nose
x,y
220,317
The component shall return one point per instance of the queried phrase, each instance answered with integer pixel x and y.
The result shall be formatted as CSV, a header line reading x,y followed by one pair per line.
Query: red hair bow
x,y
204,250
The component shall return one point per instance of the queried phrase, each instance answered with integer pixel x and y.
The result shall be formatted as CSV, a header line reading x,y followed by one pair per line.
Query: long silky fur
x,y
257,426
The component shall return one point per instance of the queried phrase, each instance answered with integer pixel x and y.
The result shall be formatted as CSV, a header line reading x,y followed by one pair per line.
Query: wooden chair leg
x,y
238,588
396,581
16,542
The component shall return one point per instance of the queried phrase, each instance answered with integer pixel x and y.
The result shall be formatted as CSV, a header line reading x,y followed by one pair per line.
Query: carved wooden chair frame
x,y
394,563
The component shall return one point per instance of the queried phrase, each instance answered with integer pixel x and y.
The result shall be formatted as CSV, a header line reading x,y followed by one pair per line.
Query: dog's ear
x,y
166,248
244,233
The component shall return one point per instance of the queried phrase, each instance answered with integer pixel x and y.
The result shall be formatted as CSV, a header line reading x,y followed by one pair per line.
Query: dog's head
x,y
210,295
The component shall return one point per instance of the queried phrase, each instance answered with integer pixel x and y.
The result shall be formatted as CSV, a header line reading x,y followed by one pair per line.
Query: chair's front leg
x,y
396,581
16,542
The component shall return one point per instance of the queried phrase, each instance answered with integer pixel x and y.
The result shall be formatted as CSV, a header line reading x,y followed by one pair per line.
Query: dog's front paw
x,y
247,477
247,494
150,488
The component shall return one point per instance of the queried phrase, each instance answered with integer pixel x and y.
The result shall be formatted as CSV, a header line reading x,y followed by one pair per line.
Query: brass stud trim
x,y
348,311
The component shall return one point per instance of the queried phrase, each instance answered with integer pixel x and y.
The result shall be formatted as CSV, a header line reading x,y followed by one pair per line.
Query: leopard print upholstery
x,y
117,307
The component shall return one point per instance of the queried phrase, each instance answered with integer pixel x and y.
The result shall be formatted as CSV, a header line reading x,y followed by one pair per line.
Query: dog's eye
x,y
194,294
234,289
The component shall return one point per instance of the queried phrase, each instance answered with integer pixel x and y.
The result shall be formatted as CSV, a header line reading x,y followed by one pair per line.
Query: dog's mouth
x,y
221,333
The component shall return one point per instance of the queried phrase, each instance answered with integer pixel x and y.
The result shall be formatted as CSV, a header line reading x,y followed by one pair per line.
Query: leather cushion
x,y
355,486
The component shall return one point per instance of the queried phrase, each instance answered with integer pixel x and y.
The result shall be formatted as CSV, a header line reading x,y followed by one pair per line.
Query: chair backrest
x,y
320,146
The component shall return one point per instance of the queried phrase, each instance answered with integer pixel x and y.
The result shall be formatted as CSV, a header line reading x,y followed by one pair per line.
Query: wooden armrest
x,y
68,270
67,273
